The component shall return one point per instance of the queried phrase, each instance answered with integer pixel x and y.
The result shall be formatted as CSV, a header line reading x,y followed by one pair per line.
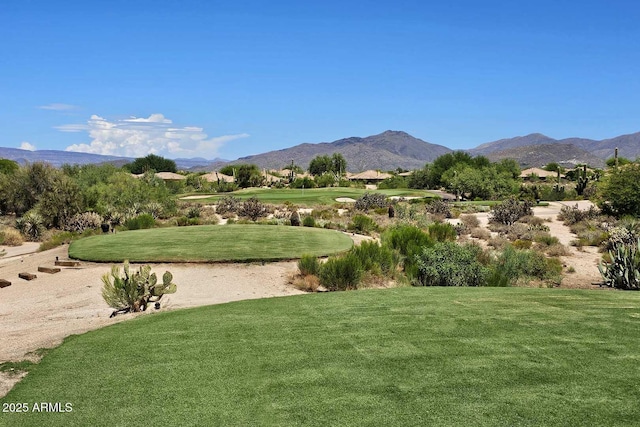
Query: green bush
x,y
140,222
309,221
442,232
439,207
407,239
363,224
295,219
341,273
377,259
309,264
450,264
513,264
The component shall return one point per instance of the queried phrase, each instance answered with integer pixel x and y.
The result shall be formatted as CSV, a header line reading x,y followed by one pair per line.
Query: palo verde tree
x,y
151,162
246,175
336,164
620,192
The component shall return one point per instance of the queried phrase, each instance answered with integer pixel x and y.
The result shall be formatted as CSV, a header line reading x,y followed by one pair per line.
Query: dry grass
x,y
307,283
470,220
11,237
481,233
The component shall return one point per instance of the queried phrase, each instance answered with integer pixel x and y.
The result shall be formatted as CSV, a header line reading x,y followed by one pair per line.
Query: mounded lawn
x,y
397,357
211,243
310,196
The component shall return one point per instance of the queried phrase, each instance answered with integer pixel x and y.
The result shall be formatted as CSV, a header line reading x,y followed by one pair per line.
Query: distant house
x,y
540,173
217,177
170,176
165,176
369,175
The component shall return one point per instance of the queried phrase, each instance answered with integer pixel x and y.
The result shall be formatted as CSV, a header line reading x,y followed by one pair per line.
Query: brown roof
x,y
170,176
541,173
215,176
371,175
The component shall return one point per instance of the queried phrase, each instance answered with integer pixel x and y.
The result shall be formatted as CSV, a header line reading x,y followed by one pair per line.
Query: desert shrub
x,y
590,232
228,205
135,290
450,264
295,219
308,264
308,283
371,201
31,225
441,232
362,224
546,239
10,237
185,221
556,250
140,222
622,271
510,210
513,264
570,215
253,209
522,244
377,259
470,221
498,242
309,221
438,207
407,239
323,213
532,220
83,221
193,212
341,273
154,209
481,233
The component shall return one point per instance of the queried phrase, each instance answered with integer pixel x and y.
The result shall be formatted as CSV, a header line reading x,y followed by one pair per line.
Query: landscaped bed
x,y
404,356
236,243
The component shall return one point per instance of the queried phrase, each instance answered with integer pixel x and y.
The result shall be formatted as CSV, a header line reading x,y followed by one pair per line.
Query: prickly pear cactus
x,y
135,290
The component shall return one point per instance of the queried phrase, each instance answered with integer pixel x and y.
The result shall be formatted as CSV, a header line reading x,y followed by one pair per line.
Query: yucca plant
x,y
135,290
623,270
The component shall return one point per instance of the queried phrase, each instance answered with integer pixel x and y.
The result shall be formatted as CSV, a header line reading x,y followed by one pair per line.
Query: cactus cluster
x,y
623,269
136,289
83,221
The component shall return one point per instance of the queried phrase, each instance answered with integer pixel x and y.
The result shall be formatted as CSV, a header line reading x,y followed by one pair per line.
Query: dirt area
x,y
42,312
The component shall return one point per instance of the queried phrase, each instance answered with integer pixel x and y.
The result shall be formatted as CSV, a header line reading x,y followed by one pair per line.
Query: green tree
x,y
246,175
611,162
620,192
320,165
8,166
338,164
151,162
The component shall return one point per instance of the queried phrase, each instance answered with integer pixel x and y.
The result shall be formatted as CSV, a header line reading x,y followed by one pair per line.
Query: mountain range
x,y
386,151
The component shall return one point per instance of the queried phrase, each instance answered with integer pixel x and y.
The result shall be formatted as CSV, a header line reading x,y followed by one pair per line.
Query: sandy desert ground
x,y
42,312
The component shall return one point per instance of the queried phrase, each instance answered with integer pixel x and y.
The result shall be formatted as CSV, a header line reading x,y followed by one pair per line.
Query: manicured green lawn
x,y
398,357
312,196
210,243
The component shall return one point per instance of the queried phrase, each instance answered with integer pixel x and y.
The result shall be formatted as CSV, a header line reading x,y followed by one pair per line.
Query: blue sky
x,y
229,79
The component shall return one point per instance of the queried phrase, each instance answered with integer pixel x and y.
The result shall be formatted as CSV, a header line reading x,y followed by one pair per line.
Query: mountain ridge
x,y
384,151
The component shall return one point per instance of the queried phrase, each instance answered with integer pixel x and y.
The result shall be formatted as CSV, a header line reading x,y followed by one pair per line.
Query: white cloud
x,y
72,128
138,136
27,146
58,107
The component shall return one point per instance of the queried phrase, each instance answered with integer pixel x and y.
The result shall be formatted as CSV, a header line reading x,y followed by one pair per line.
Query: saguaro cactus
x,y
135,290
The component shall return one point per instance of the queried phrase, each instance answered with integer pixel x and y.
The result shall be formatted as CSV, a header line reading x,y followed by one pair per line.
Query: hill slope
x,y
567,155
385,151
628,145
